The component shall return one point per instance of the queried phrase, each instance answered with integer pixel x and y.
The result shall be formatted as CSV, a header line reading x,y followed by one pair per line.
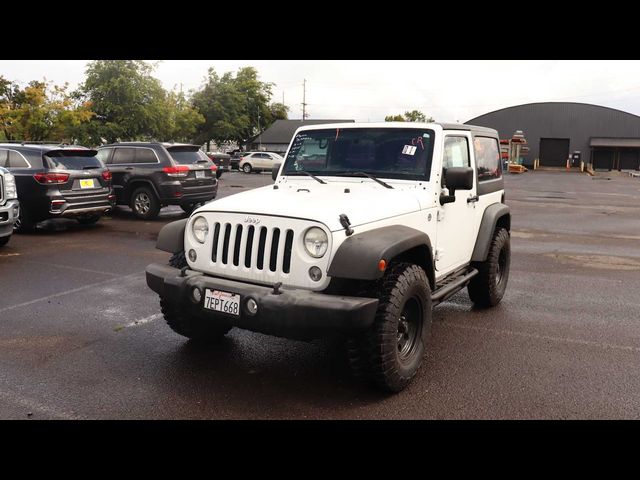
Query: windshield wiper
x,y
365,174
307,173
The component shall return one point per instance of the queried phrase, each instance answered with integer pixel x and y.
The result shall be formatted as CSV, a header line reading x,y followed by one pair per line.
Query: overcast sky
x,y
369,90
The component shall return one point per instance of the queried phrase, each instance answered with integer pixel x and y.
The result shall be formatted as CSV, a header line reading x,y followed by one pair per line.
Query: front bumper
x,y
8,214
291,313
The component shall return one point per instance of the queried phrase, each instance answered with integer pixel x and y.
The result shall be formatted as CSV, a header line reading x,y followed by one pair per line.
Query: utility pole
x,y
259,133
304,96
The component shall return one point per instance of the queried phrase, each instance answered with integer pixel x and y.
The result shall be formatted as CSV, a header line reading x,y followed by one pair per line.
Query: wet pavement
x,y
81,335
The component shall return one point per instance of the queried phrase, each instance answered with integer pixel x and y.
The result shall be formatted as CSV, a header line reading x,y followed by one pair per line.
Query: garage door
x,y
602,159
554,152
629,159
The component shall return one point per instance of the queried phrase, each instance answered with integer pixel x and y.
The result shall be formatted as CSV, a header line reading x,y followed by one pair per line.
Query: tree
x,y
181,120
235,108
130,104
413,116
40,111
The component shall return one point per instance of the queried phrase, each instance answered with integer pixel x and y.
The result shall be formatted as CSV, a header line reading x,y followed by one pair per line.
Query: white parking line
x,y
67,292
57,265
142,321
586,343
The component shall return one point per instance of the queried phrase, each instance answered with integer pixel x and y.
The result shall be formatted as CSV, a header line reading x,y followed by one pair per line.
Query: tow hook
x,y
276,289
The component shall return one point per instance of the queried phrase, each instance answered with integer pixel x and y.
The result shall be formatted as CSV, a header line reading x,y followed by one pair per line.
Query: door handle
x,y
472,199
128,168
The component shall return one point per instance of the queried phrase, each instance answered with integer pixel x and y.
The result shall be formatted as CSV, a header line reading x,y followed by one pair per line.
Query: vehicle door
x,y
456,221
121,164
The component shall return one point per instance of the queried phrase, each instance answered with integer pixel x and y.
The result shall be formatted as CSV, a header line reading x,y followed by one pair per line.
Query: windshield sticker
x,y
417,141
409,150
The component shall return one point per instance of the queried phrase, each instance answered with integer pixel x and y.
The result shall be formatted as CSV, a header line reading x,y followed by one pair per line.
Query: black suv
x,y
55,181
151,175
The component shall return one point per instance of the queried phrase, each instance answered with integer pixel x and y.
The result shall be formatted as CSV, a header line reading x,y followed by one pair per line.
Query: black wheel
x,y
190,207
218,173
487,288
144,203
246,168
390,353
89,220
23,223
4,240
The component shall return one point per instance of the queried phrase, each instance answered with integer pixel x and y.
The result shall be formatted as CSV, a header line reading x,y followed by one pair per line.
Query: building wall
x,y
576,121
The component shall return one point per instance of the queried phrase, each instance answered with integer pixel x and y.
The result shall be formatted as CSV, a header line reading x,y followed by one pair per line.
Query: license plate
x,y
200,174
87,183
224,302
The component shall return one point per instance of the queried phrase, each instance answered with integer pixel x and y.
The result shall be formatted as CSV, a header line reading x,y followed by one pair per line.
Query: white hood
x,y
366,201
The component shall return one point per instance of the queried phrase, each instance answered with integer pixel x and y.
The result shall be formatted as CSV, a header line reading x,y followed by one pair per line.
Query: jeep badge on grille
x,y
252,220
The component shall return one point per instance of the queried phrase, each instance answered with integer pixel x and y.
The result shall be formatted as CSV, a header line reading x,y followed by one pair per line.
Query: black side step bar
x,y
452,287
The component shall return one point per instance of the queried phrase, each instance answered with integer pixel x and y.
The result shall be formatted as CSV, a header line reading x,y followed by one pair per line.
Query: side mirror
x,y
274,171
456,178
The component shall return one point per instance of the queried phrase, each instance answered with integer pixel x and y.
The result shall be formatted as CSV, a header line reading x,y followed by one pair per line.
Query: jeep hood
x,y
364,203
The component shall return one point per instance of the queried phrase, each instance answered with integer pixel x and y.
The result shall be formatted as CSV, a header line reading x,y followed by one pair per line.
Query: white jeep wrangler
x,y
367,227
9,205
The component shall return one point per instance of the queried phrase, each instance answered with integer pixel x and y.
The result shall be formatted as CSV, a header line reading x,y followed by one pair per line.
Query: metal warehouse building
x,y
607,138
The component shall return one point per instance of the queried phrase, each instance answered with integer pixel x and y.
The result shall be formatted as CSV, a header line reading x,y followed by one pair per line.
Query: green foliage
x,y
235,108
40,111
413,116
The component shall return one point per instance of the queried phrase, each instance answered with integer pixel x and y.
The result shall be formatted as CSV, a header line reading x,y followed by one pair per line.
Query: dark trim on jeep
x,y
496,214
489,186
171,236
358,256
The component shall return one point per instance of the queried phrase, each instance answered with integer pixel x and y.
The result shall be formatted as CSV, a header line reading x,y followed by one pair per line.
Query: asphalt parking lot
x,y
81,335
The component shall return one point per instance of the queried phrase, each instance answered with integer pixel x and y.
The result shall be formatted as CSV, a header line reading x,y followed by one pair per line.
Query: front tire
x,y
246,168
390,353
487,288
145,204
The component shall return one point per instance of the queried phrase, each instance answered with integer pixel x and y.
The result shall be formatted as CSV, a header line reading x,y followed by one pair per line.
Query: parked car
x,y
57,181
222,161
234,161
9,205
150,175
259,161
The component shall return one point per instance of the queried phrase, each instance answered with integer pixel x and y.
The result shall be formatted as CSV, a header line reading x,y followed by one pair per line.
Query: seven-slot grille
x,y
254,247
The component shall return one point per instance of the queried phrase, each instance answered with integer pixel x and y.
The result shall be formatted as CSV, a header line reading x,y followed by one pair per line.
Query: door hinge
x,y
440,215
438,255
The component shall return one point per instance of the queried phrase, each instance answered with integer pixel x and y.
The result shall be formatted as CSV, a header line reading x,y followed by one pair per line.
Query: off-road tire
x,y
487,288
149,204
4,240
247,168
376,355
89,220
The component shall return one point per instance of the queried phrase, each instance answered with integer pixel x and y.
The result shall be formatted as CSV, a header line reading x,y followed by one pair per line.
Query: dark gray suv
x,y
150,175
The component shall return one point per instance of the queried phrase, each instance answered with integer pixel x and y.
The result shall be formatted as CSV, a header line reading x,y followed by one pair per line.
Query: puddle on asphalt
x,y
597,261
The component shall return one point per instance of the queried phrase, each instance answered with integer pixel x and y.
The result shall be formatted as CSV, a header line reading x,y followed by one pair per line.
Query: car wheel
x,y
4,240
487,288
89,220
23,223
246,168
391,351
218,173
144,203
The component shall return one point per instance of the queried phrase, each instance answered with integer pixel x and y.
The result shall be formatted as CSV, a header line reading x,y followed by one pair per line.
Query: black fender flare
x,y
493,214
135,183
171,236
358,256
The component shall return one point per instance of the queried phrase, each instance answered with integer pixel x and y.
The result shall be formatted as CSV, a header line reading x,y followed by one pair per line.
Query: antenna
x,y
304,96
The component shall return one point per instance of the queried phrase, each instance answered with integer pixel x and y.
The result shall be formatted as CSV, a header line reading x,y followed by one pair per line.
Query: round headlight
x,y
316,242
200,229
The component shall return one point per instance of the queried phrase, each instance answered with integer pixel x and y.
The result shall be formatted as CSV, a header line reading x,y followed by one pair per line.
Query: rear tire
x,y
4,240
391,351
487,288
246,168
145,204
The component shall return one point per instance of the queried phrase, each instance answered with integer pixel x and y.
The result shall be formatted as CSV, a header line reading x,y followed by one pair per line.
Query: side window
x,y
4,155
123,155
103,155
456,152
16,160
487,154
145,155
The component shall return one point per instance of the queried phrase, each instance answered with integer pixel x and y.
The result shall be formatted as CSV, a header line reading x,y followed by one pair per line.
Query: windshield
x,y
400,153
187,155
73,160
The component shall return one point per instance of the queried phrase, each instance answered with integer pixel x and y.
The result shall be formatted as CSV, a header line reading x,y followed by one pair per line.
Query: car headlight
x,y
316,242
10,186
200,229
